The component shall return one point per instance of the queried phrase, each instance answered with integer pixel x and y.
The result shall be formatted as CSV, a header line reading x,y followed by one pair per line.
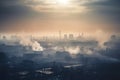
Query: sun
x,y
62,2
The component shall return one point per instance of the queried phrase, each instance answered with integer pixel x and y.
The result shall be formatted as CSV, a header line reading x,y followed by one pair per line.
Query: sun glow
x,y
60,6
62,2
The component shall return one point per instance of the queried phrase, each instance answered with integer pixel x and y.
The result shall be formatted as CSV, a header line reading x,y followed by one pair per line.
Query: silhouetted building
x,y
65,37
0,36
71,37
60,35
4,37
113,37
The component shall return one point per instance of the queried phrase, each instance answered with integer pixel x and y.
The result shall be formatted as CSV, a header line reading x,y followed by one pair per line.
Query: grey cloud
x,y
17,9
13,9
108,8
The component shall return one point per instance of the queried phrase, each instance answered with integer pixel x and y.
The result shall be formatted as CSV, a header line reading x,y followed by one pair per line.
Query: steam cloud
x,y
34,45
73,50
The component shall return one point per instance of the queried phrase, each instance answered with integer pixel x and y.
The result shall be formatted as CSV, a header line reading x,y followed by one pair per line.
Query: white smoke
x,y
102,37
34,45
73,50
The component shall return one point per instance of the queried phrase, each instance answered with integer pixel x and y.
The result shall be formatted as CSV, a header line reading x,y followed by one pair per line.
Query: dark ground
x,y
26,70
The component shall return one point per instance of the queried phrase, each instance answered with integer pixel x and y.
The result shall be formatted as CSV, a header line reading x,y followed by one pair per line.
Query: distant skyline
x,y
53,15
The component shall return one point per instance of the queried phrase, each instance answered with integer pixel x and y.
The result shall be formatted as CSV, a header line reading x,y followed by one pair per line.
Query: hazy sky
x,y
55,15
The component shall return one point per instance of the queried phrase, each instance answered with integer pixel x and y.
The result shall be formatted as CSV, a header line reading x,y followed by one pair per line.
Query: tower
x,y
60,35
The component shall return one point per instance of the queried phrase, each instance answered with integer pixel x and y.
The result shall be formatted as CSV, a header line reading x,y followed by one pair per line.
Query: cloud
x,y
13,9
73,50
107,8
16,11
73,6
